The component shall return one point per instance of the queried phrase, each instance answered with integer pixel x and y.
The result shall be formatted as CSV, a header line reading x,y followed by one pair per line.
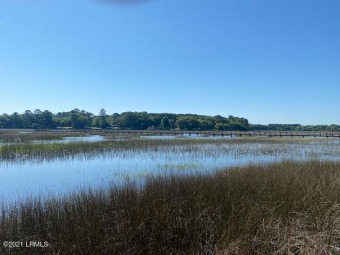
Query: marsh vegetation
x,y
170,196
283,208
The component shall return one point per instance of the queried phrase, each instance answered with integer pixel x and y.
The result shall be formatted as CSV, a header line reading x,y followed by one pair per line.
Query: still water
x,y
19,180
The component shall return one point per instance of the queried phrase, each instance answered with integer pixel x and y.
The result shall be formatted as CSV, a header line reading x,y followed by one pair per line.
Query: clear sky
x,y
270,61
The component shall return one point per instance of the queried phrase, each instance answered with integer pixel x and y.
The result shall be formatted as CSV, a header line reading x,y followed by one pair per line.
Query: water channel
x,y
60,176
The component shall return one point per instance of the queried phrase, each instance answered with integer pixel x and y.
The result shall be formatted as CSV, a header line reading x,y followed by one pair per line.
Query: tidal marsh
x,y
17,136
282,208
131,195
42,169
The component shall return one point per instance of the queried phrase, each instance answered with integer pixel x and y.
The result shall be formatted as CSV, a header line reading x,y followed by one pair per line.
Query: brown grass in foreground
x,y
284,208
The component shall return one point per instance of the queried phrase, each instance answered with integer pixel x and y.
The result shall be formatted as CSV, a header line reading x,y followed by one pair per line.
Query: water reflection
x,y
74,139
56,176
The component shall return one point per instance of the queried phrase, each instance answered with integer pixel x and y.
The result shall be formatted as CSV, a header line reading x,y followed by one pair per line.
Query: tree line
x,y
80,119
296,127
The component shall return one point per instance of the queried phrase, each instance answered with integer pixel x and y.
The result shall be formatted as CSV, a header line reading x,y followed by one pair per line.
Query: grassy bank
x,y
31,150
285,208
24,136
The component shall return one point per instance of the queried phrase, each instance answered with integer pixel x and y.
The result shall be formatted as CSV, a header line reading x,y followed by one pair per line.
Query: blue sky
x,y
270,61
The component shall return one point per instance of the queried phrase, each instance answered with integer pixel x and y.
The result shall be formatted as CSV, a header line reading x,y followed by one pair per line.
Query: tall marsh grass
x,y
284,208
28,150
16,136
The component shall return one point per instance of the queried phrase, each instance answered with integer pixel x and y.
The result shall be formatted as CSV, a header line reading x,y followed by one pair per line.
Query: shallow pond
x,y
19,180
75,139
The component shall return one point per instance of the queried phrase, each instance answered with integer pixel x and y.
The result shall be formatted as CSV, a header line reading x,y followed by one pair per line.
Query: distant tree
x,y
5,121
235,125
37,118
172,123
17,121
144,121
206,124
259,127
219,119
96,122
74,115
187,123
102,119
121,122
222,126
65,122
130,120
102,112
79,119
28,119
155,119
113,119
139,120
46,119
37,112
165,123
332,127
83,121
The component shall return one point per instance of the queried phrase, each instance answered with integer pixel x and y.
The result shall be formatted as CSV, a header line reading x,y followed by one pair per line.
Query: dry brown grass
x,y
284,208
